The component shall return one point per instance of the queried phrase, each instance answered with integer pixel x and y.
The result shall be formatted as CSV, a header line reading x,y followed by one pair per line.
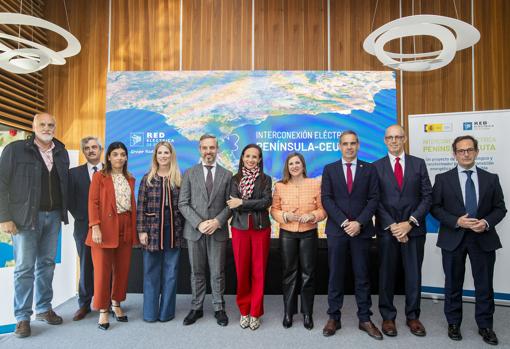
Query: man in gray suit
x,y
203,199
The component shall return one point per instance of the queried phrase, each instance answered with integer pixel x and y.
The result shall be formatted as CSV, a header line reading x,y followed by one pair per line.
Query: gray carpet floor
x,y
205,333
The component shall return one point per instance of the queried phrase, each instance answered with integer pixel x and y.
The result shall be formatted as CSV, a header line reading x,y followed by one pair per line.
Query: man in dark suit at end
x,y
79,183
469,203
405,199
350,196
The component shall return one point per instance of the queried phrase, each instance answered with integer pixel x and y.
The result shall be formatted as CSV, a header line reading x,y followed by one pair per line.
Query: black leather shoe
x,y
192,317
308,321
221,317
488,336
454,332
287,321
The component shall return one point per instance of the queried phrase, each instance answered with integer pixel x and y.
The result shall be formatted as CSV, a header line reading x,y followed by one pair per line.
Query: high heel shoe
x,y
122,318
103,326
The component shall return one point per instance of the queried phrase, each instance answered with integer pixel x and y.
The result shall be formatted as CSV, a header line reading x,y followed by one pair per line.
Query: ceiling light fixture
x,y
454,35
34,56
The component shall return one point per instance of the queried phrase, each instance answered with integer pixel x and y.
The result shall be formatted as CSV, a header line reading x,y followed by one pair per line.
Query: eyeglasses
x,y
394,138
465,151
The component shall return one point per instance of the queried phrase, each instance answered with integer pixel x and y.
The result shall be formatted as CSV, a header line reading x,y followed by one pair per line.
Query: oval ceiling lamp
x,y
33,57
454,35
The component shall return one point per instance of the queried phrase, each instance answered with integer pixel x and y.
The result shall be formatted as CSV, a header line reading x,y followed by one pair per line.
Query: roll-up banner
x,y
431,137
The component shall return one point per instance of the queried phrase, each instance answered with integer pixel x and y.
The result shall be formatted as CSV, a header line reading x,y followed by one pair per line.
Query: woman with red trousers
x,y
112,232
251,229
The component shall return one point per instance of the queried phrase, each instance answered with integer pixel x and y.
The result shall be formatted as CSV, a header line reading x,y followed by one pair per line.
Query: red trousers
x,y
251,248
111,267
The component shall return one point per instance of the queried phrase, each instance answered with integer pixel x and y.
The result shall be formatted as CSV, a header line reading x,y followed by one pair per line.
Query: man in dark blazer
x,y
405,198
79,183
350,196
469,203
205,190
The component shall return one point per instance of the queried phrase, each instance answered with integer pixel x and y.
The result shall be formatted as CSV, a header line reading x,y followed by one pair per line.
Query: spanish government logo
x,y
437,128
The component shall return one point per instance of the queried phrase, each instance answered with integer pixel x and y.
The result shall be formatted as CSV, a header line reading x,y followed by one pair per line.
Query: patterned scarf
x,y
248,182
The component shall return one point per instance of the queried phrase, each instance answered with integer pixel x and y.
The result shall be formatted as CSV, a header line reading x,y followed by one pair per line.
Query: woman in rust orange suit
x,y
112,232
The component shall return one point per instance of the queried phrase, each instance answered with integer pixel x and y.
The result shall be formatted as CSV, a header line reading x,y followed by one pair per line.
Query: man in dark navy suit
x,y
405,199
350,196
79,183
469,203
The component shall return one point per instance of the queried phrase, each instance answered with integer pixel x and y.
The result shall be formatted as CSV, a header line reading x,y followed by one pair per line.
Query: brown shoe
x,y
22,329
50,317
81,313
331,327
388,328
416,327
370,328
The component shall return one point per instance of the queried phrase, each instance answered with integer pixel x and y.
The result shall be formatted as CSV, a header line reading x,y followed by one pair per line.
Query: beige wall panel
x,y
216,35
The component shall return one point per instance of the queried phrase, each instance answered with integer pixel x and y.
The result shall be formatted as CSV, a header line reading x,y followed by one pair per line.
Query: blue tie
x,y
471,204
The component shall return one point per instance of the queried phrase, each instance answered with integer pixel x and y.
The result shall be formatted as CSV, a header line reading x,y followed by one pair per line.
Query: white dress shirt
x,y
463,179
393,161
353,168
213,170
91,169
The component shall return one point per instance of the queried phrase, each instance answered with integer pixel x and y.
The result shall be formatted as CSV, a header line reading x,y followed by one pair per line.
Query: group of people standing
x,y
194,211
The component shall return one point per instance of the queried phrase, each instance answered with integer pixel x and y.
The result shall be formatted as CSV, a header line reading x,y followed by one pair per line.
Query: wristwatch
x,y
412,223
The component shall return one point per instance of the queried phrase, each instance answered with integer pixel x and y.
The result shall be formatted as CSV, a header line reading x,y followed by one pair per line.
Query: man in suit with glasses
x,y
405,199
468,202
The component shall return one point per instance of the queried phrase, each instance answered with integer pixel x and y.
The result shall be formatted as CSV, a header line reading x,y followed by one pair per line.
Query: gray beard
x,y
45,138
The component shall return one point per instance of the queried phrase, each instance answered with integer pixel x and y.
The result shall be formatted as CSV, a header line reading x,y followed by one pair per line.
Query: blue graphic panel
x,y
281,111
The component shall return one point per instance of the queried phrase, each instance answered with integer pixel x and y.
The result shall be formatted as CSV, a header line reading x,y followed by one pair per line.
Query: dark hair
x,y
239,173
348,132
463,138
286,172
108,165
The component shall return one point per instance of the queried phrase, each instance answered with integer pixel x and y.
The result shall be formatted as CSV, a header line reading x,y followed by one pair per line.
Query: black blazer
x,y
448,206
360,205
79,183
414,199
257,205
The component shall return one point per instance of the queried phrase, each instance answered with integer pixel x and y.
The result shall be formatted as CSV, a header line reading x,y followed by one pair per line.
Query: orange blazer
x,y
103,211
298,199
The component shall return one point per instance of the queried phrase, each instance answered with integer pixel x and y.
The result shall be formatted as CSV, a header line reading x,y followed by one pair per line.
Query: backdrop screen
x,y
282,111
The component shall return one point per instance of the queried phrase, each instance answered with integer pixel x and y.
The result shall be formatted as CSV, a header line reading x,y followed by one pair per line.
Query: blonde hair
x,y
175,172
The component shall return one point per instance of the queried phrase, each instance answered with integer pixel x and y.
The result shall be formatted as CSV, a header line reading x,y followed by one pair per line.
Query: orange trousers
x,y
111,268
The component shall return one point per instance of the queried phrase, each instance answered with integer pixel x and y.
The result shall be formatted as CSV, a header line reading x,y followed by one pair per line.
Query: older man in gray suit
x,y
202,202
